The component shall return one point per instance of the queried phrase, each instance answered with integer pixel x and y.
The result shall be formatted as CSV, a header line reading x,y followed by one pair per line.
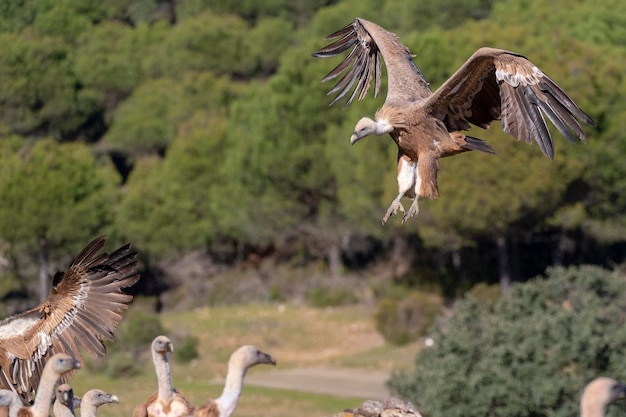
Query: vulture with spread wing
x,y
83,309
493,84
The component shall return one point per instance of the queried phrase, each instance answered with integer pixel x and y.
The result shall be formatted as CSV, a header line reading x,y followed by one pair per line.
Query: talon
x,y
392,211
413,211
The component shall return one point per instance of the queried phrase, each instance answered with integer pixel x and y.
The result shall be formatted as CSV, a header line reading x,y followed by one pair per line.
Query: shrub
x,y
187,350
326,297
403,320
526,355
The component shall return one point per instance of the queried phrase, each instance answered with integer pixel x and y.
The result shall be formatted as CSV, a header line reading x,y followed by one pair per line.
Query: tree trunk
x,y
43,269
504,268
334,260
401,257
459,265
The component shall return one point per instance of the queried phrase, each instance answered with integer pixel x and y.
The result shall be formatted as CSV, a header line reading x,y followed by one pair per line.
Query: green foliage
x,y
331,297
243,149
529,354
403,319
148,121
59,192
187,350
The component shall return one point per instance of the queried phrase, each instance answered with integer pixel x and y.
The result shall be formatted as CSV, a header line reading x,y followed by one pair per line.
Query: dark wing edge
x,y
363,62
83,310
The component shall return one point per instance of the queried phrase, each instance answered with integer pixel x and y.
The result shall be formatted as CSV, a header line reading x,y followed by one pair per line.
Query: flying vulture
x,y
493,84
240,361
84,308
167,401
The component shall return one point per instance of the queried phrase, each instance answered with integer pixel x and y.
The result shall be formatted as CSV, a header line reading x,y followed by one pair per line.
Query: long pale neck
x,y
164,375
43,397
87,410
589,408
232,388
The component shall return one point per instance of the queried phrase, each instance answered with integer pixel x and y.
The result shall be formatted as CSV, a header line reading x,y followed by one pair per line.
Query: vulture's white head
x,y
97,397
366,127
598,394
248,356
61,363
162,345
65,395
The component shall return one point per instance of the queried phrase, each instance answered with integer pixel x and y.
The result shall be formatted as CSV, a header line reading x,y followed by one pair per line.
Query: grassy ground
x,y
297,336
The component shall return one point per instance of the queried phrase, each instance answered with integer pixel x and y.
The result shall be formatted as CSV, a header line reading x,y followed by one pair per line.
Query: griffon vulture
x,y
83,309
93,399
54,368
64,402
240,361
493,84
392,407
598,394
167,401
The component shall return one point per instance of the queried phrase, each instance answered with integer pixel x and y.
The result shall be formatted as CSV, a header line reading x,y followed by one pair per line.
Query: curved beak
x,y
354,138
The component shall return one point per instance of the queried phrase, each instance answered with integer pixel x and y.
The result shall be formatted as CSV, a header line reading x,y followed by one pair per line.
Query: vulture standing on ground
x,y
93,399
240,361
54,368
83,309
167,401
64,402
598,394
493,84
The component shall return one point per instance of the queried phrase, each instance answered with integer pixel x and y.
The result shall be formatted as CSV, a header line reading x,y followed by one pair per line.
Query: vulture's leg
x,y
394,207
413,211
407,172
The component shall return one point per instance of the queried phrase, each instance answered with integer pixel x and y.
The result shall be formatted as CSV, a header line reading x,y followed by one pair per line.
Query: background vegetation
x,y
199,131
203,126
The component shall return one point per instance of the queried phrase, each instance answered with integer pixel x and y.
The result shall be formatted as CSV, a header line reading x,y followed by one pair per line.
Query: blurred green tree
x,y
56,198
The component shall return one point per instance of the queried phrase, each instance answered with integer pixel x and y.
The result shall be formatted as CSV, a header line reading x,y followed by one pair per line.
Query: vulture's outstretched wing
x,y
83,309
369,42
495,84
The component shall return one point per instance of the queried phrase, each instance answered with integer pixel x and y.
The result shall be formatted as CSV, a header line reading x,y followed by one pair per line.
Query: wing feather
x,y
371,45
525,95
83,310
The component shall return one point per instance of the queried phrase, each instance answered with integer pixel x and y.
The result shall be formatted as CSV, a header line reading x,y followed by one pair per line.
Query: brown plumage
x,y
167,401
54,368
598,394
64,402
240,361
493,84
83,309
393,407
92,400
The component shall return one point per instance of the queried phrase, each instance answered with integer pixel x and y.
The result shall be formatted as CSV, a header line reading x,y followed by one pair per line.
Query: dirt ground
x,y
341,382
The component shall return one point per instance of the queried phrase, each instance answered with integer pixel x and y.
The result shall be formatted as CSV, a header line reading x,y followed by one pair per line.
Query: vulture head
x,y
366,127
598,394
248,356
97,397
